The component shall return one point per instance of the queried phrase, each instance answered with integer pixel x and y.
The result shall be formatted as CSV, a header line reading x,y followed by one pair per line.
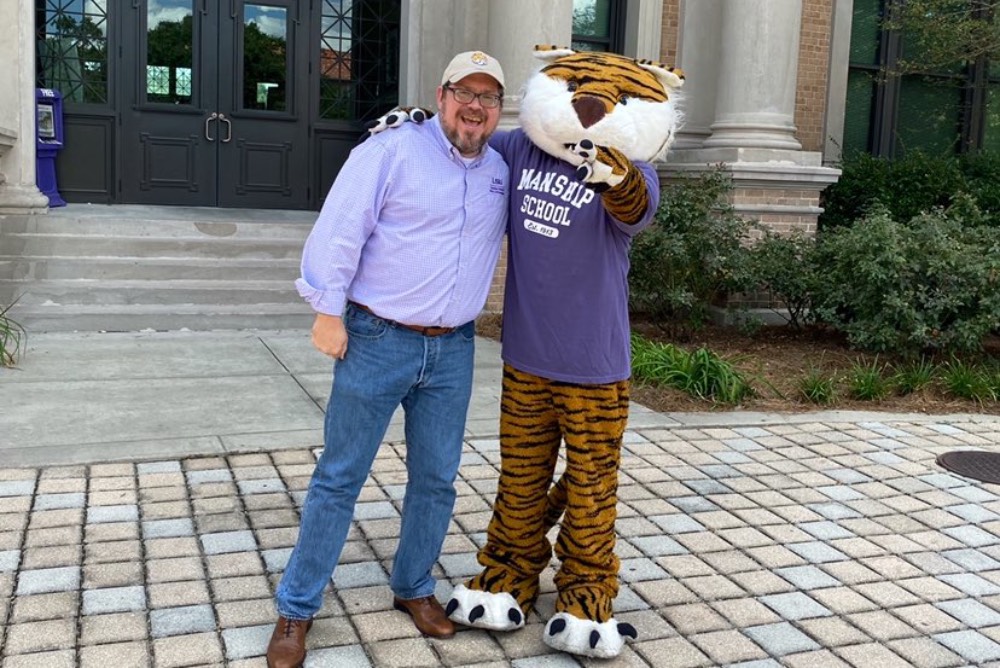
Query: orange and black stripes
x,y
628,200
537,415
607,77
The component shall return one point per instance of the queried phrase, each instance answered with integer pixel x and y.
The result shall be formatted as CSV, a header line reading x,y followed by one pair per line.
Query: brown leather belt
x,y
426,331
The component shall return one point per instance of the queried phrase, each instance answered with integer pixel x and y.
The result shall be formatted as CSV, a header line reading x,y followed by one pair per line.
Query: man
x,y
397,267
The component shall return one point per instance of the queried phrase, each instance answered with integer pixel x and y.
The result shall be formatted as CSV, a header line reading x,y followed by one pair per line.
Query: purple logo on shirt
x,y
496,186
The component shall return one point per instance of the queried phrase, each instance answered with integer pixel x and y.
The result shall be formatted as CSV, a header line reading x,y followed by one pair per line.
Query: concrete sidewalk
x,y
149,487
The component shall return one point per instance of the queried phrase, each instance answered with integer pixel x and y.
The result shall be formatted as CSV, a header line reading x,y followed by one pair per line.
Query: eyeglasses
x,y
463,96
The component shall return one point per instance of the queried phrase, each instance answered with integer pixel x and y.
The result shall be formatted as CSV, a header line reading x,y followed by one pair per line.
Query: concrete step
x,y
152,292
128,268
97,246
134,268
161,317
143,221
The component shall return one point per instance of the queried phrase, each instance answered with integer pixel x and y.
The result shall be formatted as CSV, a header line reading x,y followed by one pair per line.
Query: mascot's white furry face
x,y
609,99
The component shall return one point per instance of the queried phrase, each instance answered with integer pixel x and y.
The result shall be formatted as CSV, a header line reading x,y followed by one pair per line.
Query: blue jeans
x,y
385,366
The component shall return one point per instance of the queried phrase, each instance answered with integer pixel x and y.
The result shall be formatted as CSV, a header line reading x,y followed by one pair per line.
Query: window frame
x,y
615,42
884,121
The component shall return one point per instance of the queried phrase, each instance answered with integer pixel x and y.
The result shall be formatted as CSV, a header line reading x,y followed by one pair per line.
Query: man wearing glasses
x,y
397,267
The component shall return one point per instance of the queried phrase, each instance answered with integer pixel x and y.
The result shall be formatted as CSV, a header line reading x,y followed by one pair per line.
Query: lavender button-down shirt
x,y
410,229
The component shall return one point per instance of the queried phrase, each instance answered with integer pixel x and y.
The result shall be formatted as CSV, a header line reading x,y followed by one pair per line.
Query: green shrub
x,y
693,255
929,285
784,265
911,185
982,178
862,185
12,337
905,187
701,373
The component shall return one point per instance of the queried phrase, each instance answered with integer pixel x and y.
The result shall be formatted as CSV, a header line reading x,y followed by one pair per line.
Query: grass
x,y
700,373
818,387
968,381
868,381
12,338
914,376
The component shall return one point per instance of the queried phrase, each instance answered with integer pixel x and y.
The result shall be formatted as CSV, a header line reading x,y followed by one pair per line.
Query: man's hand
x,y
329,335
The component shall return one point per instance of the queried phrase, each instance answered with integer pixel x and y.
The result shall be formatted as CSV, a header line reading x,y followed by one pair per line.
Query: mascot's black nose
x,y
589,110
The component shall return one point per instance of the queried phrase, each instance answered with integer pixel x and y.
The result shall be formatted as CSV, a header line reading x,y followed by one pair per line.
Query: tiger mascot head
x,y
612,100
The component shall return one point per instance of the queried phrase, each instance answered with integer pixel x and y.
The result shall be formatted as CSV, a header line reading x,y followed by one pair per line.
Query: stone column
x,y
755,97
515,27
698,55
18,192
741,61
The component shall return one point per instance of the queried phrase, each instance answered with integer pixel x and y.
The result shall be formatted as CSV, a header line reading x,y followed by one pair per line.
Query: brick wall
x,y
671,27
814,68
494,302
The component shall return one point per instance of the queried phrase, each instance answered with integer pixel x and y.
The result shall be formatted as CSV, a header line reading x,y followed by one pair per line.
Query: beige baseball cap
x,y
472,62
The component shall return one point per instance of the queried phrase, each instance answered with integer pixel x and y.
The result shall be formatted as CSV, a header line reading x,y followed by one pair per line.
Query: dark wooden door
x,y
216,112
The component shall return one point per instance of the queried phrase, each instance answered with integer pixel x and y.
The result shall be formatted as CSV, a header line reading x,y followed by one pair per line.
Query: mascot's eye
x,y
571,86
623,99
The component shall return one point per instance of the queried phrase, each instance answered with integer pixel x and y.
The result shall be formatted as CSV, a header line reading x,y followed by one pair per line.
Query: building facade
x,y
238,103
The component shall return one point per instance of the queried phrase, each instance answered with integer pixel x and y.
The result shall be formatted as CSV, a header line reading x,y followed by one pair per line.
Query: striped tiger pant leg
x,y
593,420
517,550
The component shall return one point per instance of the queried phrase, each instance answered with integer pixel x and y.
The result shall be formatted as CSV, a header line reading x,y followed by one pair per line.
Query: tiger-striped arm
x,y
607,171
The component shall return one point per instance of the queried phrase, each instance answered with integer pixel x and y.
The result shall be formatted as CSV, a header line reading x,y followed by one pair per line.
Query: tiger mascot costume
x,y
581,187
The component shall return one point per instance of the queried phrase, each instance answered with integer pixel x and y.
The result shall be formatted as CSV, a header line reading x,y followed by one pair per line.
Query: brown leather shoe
x,y
287,648
428,616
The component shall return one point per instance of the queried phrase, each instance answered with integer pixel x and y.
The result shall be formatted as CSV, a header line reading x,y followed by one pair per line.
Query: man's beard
x,y
468,145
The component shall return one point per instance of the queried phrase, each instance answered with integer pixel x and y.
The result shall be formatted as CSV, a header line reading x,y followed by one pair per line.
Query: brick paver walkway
x,y
805,545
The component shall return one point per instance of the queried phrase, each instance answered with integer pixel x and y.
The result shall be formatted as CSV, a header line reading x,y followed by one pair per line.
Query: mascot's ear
x,y
672,78
548,52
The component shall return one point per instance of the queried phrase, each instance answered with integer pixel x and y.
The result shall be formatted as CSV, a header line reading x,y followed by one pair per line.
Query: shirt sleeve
x,y
348,217
500,141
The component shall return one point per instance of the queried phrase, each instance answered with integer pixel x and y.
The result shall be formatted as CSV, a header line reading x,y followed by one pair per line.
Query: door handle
x,y
211,117
229,128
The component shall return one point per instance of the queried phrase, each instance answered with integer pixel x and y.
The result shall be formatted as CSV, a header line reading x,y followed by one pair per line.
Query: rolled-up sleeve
x,y
348,217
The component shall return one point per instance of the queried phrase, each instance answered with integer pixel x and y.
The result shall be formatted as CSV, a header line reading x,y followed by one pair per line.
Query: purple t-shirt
x,y
565,313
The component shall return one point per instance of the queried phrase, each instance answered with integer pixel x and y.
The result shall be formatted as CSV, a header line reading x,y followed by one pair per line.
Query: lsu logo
x,y
496,186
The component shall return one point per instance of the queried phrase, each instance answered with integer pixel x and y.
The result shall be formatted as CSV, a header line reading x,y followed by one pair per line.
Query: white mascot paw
x,y
593,166
483,610
397,117
584,637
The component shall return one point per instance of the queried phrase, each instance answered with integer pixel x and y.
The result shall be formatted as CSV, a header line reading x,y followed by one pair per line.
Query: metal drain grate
x,y
975,464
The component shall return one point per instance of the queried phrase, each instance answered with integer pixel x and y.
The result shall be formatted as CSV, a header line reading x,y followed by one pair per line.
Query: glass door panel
x,y
266,66
169,51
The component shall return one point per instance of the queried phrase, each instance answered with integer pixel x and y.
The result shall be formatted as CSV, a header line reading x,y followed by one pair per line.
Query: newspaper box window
x,y
49,141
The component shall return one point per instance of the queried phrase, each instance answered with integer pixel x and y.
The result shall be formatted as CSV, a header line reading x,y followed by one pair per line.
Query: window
x,y
598,25
359,58
72,41
889,113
